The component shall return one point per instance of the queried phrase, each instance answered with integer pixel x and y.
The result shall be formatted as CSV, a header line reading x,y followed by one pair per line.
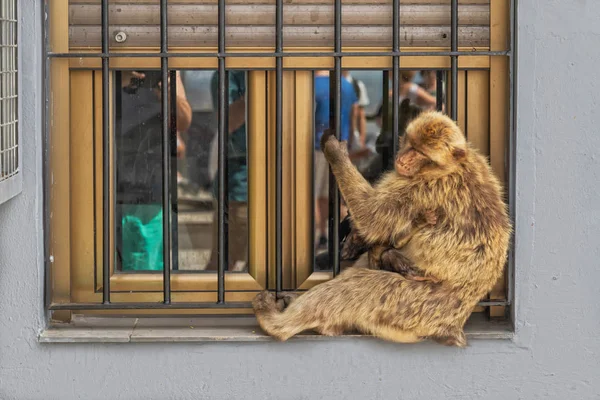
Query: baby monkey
x,y
387,257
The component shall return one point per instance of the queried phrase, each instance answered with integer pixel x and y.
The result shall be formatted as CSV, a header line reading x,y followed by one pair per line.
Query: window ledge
x,y
125,330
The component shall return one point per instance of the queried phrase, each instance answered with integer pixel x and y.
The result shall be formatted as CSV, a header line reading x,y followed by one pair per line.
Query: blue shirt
x,y
348,98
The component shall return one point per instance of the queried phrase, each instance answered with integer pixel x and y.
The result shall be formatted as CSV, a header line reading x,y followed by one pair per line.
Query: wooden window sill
x,y
244,329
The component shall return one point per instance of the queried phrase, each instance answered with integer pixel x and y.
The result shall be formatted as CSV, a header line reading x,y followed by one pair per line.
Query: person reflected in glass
x,y
138,137
237,174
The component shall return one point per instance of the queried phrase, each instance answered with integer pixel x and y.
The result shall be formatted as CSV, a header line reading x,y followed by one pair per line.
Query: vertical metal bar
x,y
395,74
385,126
454,58
166,153
335,111
223,204
385,104
279,146
106,203
447,87
385,119
46,159
512,148
173,193
439,90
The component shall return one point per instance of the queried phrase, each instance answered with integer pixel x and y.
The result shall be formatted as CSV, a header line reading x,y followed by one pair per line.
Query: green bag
x,y
142,237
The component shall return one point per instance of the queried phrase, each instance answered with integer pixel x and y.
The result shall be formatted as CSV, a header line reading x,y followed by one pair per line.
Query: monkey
x,y
466,250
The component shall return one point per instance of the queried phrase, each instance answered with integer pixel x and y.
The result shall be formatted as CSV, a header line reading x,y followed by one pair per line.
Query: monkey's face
x,y
433,144
410,161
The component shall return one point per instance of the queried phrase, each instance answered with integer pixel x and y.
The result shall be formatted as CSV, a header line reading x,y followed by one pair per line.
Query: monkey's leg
x,y
280,325
395,335
284,299
330,330
456,338
327,308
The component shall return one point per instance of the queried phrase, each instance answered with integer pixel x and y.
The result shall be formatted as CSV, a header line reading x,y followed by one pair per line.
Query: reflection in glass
x,y
368,129
237,173
138,142
138,155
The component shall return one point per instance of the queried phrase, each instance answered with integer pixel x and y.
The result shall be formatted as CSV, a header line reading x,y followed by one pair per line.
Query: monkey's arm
x,y
391,259
378,217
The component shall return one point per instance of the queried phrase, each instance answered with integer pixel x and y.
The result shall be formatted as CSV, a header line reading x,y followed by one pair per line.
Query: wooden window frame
x,y
72,196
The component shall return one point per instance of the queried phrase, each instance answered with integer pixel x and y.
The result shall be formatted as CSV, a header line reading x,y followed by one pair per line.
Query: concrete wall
x,y
554,356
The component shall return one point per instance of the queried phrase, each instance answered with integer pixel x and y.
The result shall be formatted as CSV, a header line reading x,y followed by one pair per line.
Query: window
x,y
226,181
10,154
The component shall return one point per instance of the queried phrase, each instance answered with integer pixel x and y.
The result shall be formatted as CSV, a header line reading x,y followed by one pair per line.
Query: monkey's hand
x,y
430,217
352,247
326,137
332,148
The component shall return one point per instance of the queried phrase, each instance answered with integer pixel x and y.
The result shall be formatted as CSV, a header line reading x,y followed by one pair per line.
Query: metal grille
x,y
335,110
9,140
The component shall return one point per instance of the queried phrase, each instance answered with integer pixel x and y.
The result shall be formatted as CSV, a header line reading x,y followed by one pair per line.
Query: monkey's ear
x,y
405,105
459,153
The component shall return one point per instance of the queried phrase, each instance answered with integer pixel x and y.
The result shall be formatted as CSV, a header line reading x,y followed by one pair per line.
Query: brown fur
x,y
466,250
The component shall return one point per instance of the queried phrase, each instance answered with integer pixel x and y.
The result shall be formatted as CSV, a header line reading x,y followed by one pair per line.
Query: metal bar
x,y
454,58
106,203
385,126
335,119
395,75
166,155
223,199
46,159
146,306
181,305
385,118
439,90
174,195
512,148
495,303
118,116
278,54
279,147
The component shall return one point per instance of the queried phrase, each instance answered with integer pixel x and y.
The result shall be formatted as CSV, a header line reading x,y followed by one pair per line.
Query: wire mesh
x,y
9,143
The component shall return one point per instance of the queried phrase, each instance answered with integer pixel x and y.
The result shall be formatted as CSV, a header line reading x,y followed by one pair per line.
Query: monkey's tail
x,y
280,325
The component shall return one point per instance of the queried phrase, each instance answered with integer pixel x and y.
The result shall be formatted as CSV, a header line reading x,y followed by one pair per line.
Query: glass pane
x,y
367,126
138,137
